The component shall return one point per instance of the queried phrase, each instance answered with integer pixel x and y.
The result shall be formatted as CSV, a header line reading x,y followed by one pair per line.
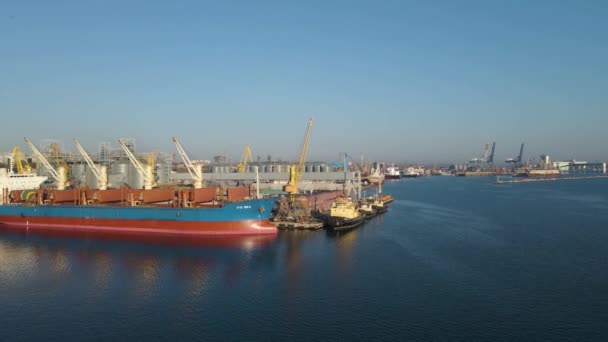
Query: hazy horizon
x,y
402,81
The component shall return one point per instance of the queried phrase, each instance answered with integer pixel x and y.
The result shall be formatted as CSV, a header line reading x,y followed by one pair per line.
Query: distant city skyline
x,y
402,81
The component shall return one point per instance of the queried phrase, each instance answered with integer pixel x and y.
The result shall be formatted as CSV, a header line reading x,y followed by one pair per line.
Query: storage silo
x,y
119,174
79,174
134,179
164,173
91,179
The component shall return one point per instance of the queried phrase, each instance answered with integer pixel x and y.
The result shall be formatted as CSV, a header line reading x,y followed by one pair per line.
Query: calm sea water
x,y
455,259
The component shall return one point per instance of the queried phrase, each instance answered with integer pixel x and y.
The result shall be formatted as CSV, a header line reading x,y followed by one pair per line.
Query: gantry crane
x,y
59,174
195,171
22,165
297,171
100,172
242,166
145,172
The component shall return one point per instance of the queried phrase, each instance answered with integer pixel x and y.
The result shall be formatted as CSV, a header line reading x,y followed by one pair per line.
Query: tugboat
x,y
344,215
386,199
378,205
365,207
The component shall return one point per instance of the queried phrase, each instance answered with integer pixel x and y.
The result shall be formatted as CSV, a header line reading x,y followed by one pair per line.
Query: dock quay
x,y
303,215
476,173
552,179
287,225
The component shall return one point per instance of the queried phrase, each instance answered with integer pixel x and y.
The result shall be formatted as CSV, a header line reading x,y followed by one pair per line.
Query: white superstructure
x,y
13,181
392,172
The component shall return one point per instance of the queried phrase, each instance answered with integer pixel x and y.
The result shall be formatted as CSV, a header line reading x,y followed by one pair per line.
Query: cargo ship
x,y
392,172
166,212
411,172
158,212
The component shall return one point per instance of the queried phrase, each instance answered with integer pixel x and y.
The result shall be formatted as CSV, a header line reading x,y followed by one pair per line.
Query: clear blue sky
x,y
394,80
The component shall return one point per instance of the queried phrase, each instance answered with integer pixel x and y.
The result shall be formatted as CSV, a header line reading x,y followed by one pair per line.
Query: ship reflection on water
x,y
345,244
147,272
299,256
142,270
234,241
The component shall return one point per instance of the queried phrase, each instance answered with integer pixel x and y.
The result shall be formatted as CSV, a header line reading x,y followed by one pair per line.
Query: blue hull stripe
x,y
232,212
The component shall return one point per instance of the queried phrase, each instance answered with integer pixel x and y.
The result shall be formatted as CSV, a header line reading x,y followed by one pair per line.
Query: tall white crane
x,y
195,171
146,172
59,175
100,172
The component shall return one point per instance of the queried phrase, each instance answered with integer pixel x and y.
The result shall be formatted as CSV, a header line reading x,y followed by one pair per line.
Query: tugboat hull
x,y
340,223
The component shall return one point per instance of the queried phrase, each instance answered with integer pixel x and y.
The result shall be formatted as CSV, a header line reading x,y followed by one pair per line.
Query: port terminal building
x,y
580,167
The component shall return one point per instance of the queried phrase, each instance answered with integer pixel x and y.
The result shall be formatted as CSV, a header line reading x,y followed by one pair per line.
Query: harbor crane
x,y
195,171
55,153
363,167
291,211
490,158
59,174
145,172
483,158
517,161
22,165
242,166
487,157
100,172
297,171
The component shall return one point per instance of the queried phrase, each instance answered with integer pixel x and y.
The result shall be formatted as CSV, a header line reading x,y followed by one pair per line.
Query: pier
x,y
552,179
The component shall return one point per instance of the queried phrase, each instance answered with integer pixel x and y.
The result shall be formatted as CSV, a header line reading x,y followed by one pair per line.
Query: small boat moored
x,y
344,215
365,207
378,204
386,199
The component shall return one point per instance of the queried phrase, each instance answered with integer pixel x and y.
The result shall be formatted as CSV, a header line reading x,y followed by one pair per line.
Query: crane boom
x,y
304,151
196,173
297,171
521,152
491,156
99,172
146,173
242,166
60,177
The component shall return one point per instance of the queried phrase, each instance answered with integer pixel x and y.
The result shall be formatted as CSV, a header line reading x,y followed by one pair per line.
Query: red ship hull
x,y
138,227
213,241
